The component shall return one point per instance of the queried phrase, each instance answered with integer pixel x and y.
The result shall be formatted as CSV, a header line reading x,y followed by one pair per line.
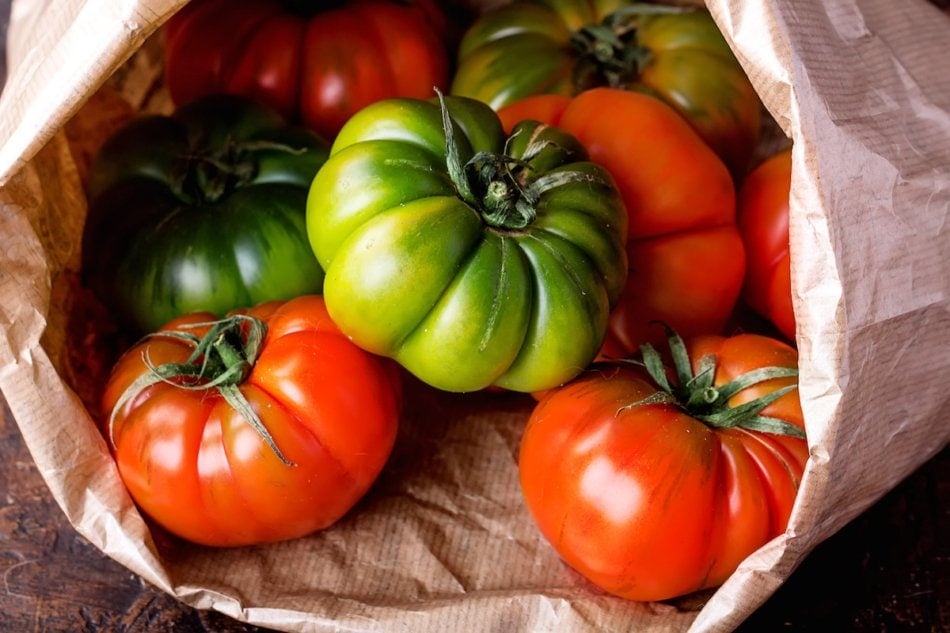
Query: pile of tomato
x,y
555,197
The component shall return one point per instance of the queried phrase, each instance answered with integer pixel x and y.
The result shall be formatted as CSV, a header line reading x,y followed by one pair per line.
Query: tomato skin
x,y
195,466
317,66
666,285
646,501
526,48
686,258
167,233
763,209
418,273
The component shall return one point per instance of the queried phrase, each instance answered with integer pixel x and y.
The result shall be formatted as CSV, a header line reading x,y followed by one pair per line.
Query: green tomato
x,y
470,257
201,210
677,54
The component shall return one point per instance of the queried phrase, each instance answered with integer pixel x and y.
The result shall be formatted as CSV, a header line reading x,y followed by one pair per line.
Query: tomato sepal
x,y
221,360
695,393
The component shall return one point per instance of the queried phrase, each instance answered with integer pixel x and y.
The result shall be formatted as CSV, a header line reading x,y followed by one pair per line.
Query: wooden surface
x,y
889,570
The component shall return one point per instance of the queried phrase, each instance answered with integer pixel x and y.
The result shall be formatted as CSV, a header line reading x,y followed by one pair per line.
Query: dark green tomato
x,y
201,210
473,260
531,47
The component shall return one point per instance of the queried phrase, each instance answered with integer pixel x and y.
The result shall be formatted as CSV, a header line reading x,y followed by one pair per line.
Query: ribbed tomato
x,y
263,426
314,62
686,257
678,54
200,210
471,257
654,483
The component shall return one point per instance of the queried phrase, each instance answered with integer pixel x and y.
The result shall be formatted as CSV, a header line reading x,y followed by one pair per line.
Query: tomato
x,y
201,210
654,484
763,223
568,46
313,62
471,258
685,253
260,427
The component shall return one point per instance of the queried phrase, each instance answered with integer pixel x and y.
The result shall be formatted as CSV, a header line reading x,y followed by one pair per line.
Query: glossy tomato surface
x,y
316,63
678,54
196,465
476,261
644,498
686,257
200,210
763,222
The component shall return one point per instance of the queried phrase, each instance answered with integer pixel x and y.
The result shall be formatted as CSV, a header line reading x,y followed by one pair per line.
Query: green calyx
x,y
608,53
207,175
221,360
701,399
498,190
503,189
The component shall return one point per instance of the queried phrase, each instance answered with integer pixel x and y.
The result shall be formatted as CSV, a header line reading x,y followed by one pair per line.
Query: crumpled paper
x,y
443,541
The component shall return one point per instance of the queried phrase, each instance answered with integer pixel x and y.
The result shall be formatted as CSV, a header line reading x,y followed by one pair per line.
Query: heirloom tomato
x,y
316,62
685,253
266,425
564,47
471,258
201,210
763,223
654,483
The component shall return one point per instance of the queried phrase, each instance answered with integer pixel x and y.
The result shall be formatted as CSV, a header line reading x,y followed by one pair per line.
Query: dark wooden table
x,y
889,570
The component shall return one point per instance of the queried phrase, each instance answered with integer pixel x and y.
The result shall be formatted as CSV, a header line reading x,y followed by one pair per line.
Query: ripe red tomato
x,y
639,490
686,257
282,447
763,223
316,64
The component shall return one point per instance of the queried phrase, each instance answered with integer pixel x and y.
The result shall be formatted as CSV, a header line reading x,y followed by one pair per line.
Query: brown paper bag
x,y
443,541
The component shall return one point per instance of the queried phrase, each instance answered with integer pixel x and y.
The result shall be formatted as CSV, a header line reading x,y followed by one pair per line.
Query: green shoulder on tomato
x,y
677,54
471,257
201,210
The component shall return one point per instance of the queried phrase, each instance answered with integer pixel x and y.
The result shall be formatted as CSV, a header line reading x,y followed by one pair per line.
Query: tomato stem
x,y
702,399
487,182
504,200
505,190
221,360
608,53
206,175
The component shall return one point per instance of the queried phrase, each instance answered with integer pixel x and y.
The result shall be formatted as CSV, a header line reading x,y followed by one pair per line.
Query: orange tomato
x,y
190,454
651,497
686,257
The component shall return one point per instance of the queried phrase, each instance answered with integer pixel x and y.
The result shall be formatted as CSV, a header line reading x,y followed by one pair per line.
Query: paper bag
x,y
443,541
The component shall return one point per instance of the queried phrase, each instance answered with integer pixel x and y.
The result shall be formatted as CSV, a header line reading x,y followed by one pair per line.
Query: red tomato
x,y
763,223
644,494
317,65
687,261
196,464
